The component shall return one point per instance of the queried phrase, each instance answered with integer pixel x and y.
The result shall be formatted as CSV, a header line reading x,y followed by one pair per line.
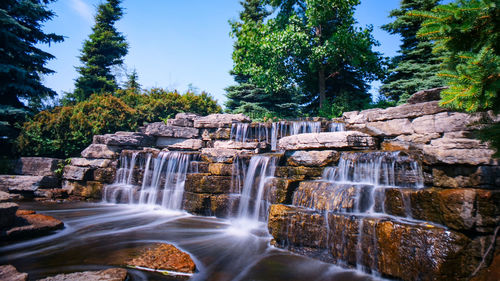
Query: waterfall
x,y
239,132
336,127
253,200
289,128
162,181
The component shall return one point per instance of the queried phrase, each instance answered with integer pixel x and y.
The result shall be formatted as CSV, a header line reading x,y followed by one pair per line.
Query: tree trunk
x,y
321,86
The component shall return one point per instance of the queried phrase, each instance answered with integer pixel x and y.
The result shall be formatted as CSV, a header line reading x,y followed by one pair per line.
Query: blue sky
x,y
175,43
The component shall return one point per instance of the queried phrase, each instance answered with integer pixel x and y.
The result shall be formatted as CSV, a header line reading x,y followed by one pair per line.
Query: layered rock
x,y
10,273
28,224
111,274
163,257
334,140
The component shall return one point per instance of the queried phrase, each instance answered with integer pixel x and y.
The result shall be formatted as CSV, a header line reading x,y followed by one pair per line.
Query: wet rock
x,y
168,141
183,119
218,155
418,138
7,214
28,224
189,144
196,203
207,183
160,129
491,273
111,274
100,151
455,176
51,193
124,139
92,163
426,95
238,145
220,169
221,134
4,197
312,158
394,127
298,172
199,167
105,175
10,273
164,257
280,191
76,173
88,189
334,140
37,166
443,155
220,120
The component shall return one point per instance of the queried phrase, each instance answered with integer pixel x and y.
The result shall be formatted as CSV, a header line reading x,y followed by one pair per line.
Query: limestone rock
x,y
76,173
111,274
183,119
189,144
237,145
30,224
394,127
218,155
27,184
220,169
10,273
426,95
206,183
334,140
164,257
7,214
88,189
160,129
51,193
312,158
105,175
418,138
220,120
300,172
4,197
443,155
92,163
455,176
124,139
165,142
446,122
37,166
100,151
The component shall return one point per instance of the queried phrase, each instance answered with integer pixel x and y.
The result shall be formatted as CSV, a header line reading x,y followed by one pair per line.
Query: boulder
x,y
448,122
238,145
183,120
220,169
426,95
300,172
29,224
418,138
220,120
455,176
7,214
27,184
219,205
4,197
100,151
160,129
207,183
51,193
164,142
10,273
88,189
189,144
333,140
445,155
164,257
111,274
105,175
92,163
214,155
76,173
394,127
124,139
312,158
280,191
37,166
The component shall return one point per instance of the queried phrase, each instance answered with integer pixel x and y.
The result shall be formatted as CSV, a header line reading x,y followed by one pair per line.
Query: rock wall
x,y
454,218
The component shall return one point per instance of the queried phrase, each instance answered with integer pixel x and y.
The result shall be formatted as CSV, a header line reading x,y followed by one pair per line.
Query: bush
x,y
66,130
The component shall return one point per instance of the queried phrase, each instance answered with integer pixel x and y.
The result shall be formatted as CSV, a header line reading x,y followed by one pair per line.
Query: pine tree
x,y
104,49
22,63
470,31
132,82
416,67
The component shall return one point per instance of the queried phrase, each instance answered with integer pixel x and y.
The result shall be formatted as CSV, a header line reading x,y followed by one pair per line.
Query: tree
x,y
470,31
416,67
312,46
22,63
104,49
132,82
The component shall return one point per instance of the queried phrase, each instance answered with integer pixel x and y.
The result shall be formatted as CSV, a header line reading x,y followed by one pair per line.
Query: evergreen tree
x,y
470,31
104,49
132,82
416,67
22,64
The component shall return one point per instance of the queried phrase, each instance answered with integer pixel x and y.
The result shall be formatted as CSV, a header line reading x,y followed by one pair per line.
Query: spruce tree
x,y
104,49
470,31
132,82
416,67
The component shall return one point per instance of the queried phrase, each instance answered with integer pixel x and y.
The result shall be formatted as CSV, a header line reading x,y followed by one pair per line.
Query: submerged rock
x,y
29,224
10,273
164,257
112,274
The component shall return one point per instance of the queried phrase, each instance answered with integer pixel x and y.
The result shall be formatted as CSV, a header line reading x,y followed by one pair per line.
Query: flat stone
x,y
4,197
207,183
456,176
160,129
92,163
426,95
88,189
23,184
237,145
30,224
220,169
37,166
333,140
100,151
418,138
214,155
124,139
164,142
394,127
105,175
7,214
220,120
443,155
312,158
447,122
183,119
189,144
76,173
111,274
164,257
10,273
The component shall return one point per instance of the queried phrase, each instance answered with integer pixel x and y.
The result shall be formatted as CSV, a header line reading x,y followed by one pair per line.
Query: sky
x,y
176,44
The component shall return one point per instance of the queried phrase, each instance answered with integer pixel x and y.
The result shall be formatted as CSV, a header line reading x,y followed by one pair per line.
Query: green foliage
x,y
105,48
60,167
416,67
67,130
470,32
132,82
343,102
309,47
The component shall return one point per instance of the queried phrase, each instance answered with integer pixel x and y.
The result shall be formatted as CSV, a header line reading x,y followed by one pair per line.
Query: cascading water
x,y
245,132
162,182
253,204
336,127
289,128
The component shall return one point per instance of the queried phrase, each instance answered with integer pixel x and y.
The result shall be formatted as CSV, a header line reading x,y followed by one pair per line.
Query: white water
x,y
289,128
336,127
